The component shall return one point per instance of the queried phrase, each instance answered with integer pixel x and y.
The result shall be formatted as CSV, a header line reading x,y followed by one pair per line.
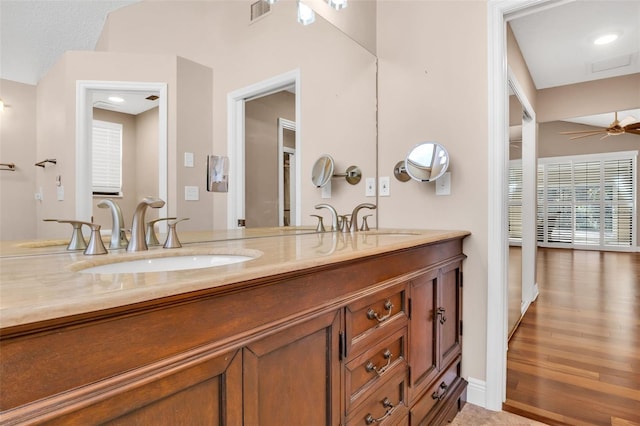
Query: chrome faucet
x,y
118,234
138,242
334,215
354,214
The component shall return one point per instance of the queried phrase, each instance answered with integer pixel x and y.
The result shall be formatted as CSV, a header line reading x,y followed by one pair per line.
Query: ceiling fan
x,y
627,125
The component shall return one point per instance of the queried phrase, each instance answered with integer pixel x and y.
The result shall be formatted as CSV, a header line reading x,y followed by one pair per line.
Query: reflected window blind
x,y
107,158
582,201
515,200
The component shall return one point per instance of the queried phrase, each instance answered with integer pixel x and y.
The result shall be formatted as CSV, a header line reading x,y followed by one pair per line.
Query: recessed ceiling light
x,y
605,39
117,99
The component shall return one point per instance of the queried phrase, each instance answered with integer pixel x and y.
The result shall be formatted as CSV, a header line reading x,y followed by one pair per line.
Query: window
x,y
583,201
107,158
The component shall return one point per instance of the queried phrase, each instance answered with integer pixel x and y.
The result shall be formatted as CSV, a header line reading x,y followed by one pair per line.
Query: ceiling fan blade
x,y
628,121
633,131
633,126
587,135
577,132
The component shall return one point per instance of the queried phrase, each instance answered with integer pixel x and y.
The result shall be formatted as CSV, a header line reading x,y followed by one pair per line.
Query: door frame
x,y
283,124
236,140
499,13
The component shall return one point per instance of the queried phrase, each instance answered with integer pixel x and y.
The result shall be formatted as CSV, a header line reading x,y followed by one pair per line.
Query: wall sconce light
x,y
306,15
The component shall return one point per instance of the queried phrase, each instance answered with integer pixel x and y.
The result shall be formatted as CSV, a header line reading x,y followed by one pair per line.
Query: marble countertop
x,y
42,281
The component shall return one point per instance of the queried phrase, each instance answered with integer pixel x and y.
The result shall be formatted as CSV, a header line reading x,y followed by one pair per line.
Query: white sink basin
x,y
165,264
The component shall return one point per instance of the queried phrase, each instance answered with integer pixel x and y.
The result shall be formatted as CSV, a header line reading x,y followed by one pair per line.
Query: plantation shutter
x,y
582,201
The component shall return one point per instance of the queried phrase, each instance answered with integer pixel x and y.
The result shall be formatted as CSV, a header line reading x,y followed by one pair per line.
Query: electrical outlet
x,y
384,186
443,184
370,188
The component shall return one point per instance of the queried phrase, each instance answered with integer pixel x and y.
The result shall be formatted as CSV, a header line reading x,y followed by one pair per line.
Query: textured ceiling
x,y
34,33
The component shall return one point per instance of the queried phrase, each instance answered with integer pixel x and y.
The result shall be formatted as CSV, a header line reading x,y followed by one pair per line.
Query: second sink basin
x,y
165,264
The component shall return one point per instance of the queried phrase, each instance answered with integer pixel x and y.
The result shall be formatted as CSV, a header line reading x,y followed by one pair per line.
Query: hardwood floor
x,y
575,358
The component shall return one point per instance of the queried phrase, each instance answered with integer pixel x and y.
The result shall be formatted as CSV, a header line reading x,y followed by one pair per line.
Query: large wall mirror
x,y
213,49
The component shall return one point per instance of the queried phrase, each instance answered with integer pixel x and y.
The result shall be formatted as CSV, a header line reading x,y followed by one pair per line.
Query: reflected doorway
x,y
246,163
267,198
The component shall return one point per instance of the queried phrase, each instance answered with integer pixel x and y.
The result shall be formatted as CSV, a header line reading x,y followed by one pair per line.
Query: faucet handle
x,y
96,246
150,235
365,225
320,227
77,241
172,237
344,222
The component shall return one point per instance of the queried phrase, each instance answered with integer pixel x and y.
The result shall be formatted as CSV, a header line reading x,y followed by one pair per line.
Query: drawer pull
x,y
441,392
371,314
379,371
440,313
386,404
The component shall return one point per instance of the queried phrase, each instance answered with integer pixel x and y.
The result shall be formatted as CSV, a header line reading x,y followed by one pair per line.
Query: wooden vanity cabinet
x,y
359,342
435,341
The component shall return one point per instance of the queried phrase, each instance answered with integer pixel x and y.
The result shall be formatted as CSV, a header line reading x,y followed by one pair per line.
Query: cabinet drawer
x,y
366,316
365,371
386,405
437,392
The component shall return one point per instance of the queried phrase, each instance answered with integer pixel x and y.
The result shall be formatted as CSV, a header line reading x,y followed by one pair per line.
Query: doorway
x,y
242,173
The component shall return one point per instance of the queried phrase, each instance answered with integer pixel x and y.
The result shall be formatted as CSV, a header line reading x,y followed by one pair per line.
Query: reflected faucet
x,y
334,215
354,214
138,242
118,235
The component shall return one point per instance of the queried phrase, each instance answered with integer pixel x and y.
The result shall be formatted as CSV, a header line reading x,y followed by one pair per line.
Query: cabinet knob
x,y
441,314
440,393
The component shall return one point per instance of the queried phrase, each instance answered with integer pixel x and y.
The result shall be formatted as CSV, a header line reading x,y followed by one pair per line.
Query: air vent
x,y
152,98
259,8
609,64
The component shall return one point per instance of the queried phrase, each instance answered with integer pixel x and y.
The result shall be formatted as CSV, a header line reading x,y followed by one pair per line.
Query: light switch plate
x,y
60,193
191,193
385,191
188,159
370,188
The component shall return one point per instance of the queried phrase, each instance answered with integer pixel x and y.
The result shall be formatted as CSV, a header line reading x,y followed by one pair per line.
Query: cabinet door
x,y
293,377
449,314
204,391
423,355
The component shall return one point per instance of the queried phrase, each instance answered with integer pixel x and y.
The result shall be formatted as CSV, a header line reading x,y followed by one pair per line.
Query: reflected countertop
x,y
42,282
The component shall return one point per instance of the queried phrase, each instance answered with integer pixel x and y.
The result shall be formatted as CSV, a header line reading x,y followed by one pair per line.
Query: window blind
x,y
107,158
582,201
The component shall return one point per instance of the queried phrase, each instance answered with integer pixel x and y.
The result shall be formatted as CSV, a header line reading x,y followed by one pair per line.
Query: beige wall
x,y
261,155
593,97
432,87
194,127
18,146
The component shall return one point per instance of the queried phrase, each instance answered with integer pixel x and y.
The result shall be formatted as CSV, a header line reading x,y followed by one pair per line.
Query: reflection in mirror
x,y
515,212
322,171
425,162
241,54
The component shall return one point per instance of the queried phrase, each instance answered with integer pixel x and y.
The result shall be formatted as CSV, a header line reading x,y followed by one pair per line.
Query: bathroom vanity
x,y
318,329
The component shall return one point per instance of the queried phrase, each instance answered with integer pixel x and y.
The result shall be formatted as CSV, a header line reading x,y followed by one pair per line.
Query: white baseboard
x,y
476,392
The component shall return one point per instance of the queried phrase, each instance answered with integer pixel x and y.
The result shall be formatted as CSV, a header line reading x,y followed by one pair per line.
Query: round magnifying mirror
x,y
322,171
427,161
